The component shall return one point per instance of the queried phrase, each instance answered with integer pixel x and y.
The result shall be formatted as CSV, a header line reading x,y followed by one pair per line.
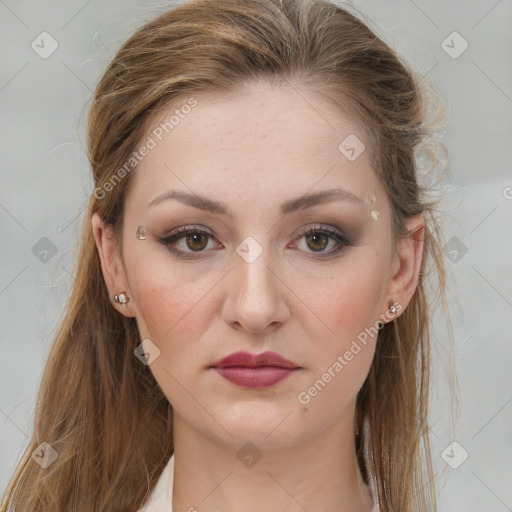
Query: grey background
x,y
45,185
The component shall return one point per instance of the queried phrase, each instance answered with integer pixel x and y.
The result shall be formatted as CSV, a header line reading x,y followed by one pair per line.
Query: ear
x,y
111,264
406,265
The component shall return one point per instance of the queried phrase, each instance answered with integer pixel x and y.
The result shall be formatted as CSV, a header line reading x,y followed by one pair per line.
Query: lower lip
x,y
261,377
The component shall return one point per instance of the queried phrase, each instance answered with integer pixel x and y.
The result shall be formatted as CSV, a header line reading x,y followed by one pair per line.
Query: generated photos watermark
x,y
304,397
150,143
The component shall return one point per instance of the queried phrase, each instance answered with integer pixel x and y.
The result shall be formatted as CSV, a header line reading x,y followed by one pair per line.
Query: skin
x,y
255,150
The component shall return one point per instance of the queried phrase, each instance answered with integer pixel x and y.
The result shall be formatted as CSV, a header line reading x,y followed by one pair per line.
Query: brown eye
x,y
197,240
317,241
318,238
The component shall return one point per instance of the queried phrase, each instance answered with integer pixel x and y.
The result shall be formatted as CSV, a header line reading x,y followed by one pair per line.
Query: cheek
x,y
350,300
348,353
172,313
341,362
346,307
169,304
353,308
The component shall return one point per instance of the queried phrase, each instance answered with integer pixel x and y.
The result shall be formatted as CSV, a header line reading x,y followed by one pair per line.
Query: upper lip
x,y
254,360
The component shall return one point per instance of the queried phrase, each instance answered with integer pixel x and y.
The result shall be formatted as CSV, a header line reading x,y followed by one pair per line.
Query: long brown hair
x,y
98,407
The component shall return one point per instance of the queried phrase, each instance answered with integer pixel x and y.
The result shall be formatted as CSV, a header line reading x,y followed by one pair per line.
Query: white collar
x,y
160,499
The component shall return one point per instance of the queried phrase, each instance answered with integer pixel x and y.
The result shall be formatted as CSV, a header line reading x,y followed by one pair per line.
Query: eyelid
x,y
324,228
186,229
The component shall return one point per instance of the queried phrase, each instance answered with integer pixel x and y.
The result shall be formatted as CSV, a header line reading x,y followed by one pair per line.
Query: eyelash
x,y
182,232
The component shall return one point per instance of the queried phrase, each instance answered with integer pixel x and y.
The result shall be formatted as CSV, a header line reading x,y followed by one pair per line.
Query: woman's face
x,y
248,278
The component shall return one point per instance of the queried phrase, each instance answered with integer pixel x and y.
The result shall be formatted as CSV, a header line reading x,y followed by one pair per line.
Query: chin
x,y
266,429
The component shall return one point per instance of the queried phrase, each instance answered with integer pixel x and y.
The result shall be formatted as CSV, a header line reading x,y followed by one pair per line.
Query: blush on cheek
x,y
161,308
172,308
349,312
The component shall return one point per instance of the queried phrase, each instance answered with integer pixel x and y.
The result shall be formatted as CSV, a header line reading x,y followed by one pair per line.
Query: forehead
x,y
259,141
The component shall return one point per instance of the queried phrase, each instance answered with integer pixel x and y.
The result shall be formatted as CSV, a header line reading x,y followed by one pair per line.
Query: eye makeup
x,y
195,241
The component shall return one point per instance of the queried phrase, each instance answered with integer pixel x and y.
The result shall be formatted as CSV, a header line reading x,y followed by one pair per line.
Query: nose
x,y
257,296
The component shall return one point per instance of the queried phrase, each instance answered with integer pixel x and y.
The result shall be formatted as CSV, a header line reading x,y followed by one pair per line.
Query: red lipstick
x,y
255,370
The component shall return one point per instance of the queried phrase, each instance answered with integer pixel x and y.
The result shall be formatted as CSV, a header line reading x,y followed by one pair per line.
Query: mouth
x,y
257,371
258,377
245,359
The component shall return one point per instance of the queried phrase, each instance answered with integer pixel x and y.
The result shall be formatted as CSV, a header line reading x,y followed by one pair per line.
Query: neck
x,y
320,474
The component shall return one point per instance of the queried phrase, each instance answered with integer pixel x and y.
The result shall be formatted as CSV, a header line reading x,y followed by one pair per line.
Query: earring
x,y
122,298
393,309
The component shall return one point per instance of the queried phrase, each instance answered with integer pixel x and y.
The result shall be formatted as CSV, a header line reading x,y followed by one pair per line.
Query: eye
x,y
194,238
317,238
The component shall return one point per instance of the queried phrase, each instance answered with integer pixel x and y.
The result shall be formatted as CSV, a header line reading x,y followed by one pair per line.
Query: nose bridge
x,y
256,301
254,269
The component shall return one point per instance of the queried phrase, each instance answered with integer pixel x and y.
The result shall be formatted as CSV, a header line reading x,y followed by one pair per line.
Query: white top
x,y
160,499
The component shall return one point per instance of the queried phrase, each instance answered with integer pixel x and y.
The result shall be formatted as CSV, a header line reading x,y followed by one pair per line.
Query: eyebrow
x,y
301,203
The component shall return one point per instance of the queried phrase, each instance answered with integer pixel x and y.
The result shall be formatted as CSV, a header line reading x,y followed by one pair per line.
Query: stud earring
x,y
392,307
122,298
